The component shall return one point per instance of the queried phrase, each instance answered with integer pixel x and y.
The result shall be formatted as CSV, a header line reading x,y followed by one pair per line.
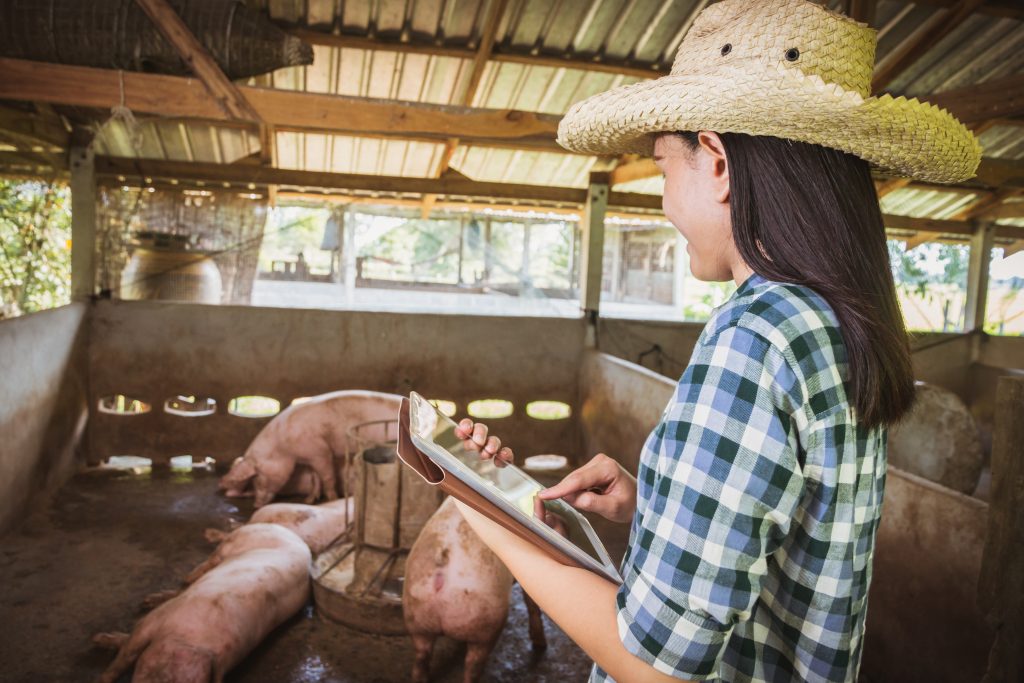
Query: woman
x,y
759,491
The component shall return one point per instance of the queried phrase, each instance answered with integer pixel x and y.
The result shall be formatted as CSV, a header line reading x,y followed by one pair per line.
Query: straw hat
x,y
785,68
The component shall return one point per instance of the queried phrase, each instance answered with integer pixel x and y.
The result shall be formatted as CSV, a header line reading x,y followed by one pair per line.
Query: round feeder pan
x,y
335,599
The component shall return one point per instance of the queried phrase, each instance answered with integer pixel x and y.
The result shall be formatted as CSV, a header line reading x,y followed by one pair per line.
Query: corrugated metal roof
x,y
635,32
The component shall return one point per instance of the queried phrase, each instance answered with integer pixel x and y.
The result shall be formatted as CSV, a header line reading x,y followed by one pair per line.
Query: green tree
x,y
35,254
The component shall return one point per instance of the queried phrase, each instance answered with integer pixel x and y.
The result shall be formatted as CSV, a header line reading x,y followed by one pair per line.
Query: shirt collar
x,y
753,281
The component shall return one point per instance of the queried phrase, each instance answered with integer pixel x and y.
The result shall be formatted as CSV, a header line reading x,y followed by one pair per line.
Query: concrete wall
x,y
923,622
633,340
620,403
42,406
153,351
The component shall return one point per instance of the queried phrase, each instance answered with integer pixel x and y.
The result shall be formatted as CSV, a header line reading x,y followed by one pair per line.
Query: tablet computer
x,y
511,490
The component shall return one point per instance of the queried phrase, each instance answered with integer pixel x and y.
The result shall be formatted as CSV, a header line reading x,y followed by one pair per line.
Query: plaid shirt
x,y
758,500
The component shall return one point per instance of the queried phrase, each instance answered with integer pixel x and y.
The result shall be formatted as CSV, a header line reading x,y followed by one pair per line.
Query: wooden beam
x,y
983,204
928,225
635,170
862,10
592,257
83,224
889,186
180,36
938,26
33,129
996,8
1005,210
995,99
570,62
173,96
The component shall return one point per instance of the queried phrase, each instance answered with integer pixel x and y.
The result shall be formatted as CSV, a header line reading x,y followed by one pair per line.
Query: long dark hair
x,y
809,215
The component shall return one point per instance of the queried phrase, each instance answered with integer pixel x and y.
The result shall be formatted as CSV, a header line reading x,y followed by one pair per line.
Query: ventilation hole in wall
x,y
119,404
190,406
128,463
490,408
548,410
446,407
301,399
546,463
254,406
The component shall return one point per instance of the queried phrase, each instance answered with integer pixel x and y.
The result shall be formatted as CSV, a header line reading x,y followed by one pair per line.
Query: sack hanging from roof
x,y
117,34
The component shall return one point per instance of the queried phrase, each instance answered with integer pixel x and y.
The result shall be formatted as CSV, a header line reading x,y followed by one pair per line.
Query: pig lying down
x,y
456,587
312,433
317,525
259,579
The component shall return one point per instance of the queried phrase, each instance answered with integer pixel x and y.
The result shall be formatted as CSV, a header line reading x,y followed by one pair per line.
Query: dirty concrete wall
x,y
42,406
154,350
620,403
923,623
663,347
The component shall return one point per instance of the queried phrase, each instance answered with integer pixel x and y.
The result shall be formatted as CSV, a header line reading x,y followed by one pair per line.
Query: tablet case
x,y
435,475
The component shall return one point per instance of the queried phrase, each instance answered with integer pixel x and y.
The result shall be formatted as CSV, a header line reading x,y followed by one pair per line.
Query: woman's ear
x,y
719,164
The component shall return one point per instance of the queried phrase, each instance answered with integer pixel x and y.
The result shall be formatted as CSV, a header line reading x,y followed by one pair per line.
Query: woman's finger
x,y
464,429
492,447
575,482
479,434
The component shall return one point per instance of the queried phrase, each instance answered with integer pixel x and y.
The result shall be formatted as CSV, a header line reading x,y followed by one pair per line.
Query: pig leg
x,y
263,493
424,651
126,656
325,472
160,597
316,491
215,535
203,567
110,641
476,660
540,643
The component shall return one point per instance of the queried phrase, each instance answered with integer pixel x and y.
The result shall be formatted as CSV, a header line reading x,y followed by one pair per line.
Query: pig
x,y
318,525
303,482
456,587
310,433
260,579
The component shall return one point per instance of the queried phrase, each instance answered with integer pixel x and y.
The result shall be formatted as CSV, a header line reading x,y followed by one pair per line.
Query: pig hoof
x,y
110,641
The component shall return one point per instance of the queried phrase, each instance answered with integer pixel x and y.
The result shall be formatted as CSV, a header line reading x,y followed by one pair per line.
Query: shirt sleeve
x,y
720,496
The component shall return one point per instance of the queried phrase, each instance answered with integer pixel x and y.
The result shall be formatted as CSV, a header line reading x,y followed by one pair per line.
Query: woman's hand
x,y
474,438
601,486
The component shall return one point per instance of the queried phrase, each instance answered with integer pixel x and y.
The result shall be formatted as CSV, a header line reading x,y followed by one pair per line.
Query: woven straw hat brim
x,y
898,135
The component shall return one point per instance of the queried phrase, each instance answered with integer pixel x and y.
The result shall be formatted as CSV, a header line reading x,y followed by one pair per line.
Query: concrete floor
x,y
82,562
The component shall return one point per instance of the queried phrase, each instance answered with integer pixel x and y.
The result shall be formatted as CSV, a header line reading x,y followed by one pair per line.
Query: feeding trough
x,y
358,580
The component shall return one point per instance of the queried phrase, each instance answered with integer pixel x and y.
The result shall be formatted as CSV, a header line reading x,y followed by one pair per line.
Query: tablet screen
x,y
510,483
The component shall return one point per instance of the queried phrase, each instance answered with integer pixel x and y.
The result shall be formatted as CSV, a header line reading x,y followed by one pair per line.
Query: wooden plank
x,y
913,48
635,170
569,62
180,36
173,96
999,98
928,225
890,186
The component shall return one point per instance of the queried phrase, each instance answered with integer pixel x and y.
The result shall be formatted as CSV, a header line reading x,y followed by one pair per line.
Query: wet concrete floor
x,y
82,562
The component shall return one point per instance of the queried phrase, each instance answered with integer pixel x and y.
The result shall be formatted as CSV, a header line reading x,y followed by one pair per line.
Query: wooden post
x,y
83,223
488,256
593,243
462,244
524,264
1001,582
349,254
977,276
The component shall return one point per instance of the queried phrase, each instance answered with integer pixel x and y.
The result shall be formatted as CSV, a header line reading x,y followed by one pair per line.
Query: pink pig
x,y
259,579
456,587
312,433
318,525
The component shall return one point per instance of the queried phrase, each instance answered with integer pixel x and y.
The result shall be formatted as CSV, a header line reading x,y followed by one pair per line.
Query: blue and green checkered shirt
x,y
758,500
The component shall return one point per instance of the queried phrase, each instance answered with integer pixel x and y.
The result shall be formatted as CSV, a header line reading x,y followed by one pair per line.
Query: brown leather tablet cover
x,y
434,474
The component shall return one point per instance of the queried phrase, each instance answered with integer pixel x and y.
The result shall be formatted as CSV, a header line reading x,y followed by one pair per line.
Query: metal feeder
x,y
358,580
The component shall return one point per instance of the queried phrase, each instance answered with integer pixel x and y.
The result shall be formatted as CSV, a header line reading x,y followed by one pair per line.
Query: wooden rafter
x,y
178,34
984,204
889,186
910,50
222,89
173,96
862,10
996,99
495,10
